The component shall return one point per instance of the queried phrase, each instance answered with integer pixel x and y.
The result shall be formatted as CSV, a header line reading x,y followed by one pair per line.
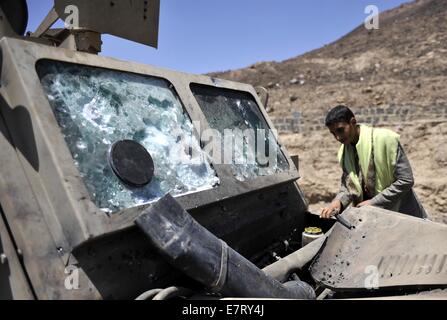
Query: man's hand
x,y
331,210
363,204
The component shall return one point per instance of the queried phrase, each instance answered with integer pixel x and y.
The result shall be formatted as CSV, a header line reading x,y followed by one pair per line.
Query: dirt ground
x,y
404,63
424,144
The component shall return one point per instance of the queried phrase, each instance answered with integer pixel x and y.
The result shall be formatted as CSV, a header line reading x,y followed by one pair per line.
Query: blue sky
x,y
202,36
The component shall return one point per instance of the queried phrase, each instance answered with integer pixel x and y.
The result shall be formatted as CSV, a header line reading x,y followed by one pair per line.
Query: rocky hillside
x,y
395,77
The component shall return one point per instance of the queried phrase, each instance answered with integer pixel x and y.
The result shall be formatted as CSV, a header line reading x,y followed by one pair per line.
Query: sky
x,y
201,36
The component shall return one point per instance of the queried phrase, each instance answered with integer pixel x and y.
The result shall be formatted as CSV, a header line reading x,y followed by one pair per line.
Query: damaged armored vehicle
x,y
113,186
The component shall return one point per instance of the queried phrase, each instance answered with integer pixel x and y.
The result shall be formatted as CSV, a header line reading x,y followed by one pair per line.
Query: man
x,y
376,171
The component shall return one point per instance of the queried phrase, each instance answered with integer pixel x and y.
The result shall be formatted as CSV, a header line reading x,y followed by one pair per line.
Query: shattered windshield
x,y
246,143
96,107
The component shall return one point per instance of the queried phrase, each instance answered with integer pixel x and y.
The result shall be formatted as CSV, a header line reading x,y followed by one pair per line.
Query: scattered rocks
x,y
293,81
293,98
367,90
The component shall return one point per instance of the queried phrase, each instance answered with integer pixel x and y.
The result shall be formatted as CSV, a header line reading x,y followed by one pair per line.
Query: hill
x,y
394,77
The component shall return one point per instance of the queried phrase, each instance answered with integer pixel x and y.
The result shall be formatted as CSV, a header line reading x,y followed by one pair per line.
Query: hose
x,y
164,294
190,247
172,292
148,294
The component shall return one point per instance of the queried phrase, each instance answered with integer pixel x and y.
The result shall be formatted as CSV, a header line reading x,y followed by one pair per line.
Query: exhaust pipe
x,y
190,247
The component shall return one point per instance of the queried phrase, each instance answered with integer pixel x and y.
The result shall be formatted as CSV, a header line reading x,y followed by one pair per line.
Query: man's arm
x,y
404,182
340,202
344,195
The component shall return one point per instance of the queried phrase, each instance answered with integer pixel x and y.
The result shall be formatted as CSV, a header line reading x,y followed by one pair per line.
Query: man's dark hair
x,y
339,113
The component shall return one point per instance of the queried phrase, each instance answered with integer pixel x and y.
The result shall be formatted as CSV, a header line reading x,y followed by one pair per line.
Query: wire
x,y
172,292
149,294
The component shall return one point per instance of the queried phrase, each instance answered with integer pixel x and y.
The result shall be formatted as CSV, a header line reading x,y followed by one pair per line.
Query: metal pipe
x,y
201,255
